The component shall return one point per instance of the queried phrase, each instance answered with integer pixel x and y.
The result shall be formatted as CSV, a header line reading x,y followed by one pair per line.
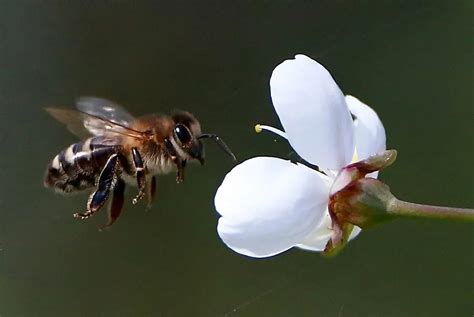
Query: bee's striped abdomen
x,y
78,166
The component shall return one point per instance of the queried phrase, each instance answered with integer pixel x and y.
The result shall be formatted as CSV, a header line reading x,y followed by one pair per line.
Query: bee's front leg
x,y
174,156
105,183
180,171
141,181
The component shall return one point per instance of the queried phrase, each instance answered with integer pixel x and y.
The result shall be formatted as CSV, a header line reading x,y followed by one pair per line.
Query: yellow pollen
x,y
258,128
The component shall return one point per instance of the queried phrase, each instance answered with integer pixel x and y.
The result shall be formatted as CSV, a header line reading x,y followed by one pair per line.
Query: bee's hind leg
x,y
107,180
116,204
141,181
151,191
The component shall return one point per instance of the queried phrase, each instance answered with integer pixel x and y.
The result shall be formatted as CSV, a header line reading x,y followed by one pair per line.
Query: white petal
x,y
369,133
319,237
269,205
313,112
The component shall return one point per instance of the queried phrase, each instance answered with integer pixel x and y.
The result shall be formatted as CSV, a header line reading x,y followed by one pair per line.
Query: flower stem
x,y
406,209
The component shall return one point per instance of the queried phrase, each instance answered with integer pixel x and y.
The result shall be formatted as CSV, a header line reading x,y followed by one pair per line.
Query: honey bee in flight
x,y
120,149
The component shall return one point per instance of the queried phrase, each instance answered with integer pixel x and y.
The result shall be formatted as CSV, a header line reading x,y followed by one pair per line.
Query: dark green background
x,y
411,61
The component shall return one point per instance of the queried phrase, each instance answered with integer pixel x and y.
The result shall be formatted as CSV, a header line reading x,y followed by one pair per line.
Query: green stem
x,y
406,209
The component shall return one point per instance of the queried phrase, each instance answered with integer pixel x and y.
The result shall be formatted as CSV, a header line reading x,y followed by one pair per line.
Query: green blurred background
x,y
410,60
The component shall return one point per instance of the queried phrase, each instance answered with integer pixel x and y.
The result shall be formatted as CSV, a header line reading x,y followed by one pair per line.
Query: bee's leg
x,y
179,164
116,205
141,181
151,191
180,172
106,182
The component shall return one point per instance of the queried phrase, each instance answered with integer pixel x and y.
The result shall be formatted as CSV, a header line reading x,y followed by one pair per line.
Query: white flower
x,y
269,205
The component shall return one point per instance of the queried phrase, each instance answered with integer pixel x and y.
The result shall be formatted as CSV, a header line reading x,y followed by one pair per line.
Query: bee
x,y
117,149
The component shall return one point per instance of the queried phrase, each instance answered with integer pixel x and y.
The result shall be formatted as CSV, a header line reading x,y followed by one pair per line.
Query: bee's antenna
x,y
219,142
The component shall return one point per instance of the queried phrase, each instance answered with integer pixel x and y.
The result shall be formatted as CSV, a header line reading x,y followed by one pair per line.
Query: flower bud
x,y
364,203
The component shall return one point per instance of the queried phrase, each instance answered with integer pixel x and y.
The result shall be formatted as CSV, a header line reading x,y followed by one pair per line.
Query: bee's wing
x,y
96,116
105,109
73,120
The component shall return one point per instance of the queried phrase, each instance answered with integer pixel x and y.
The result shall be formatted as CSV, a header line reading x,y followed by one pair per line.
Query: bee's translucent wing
x,y
104,109
96,116
73,120
106,141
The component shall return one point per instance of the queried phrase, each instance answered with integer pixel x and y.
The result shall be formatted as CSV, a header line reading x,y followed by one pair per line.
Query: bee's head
x,y
185,134
187,138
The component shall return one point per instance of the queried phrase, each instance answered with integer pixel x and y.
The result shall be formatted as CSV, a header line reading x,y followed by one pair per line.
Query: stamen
x,y
355,157
259,128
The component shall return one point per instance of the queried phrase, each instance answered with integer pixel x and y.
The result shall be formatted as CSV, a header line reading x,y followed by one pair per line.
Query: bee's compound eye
x,y
182,133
